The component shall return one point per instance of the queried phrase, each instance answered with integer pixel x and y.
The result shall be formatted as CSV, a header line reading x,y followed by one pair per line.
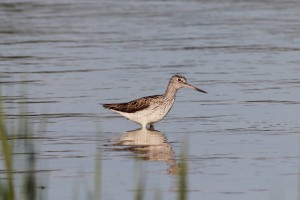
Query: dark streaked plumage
x,y
151,109
132,106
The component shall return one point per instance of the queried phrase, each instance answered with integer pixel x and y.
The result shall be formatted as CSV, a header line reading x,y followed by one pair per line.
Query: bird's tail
x,y
108,106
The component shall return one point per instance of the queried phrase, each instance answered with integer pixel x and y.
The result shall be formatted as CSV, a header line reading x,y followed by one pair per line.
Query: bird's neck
x,y
170,92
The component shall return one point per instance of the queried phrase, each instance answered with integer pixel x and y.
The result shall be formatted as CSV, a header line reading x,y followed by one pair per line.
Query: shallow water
x,y
62,59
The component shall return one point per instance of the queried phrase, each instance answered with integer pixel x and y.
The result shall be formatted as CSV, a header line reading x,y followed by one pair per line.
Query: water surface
x,y
61,59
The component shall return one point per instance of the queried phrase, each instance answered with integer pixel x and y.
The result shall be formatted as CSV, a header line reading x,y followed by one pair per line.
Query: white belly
x,y
152,114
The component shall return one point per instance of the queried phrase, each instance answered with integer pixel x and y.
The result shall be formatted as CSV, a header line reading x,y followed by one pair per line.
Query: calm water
x,y
62,58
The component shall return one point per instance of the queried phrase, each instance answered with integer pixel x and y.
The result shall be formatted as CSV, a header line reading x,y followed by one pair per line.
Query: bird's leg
x,y
151,126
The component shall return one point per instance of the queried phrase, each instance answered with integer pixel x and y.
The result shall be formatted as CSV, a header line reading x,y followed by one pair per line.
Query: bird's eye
x,y
179,80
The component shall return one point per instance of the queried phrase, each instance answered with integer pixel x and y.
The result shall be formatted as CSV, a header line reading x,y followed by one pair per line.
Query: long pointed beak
x,y
194,88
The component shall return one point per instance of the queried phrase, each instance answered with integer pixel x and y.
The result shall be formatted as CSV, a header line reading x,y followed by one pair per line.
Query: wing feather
x,y
132,106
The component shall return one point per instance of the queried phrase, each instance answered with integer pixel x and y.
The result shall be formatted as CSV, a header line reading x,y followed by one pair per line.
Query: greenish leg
x,y
151,126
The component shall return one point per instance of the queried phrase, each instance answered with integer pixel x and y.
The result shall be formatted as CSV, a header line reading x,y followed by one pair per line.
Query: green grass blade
x,y
182,174
7,156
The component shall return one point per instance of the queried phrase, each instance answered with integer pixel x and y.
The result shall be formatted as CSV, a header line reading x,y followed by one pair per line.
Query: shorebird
x,y
151,109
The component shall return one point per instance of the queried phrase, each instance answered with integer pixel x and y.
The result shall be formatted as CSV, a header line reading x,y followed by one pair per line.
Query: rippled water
x,y
61,59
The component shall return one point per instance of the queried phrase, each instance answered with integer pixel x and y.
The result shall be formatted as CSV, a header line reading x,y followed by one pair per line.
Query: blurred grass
x,y
140,189
7,190
182,173
14,140
97,185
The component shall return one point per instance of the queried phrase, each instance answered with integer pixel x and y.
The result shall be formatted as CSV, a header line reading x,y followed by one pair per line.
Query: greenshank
x,y
152,109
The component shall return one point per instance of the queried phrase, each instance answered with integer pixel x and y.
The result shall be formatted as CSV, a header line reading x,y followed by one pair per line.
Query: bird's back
x,y
135,105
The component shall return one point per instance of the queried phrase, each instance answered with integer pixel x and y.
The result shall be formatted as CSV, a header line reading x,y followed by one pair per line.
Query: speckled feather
x,y
133,106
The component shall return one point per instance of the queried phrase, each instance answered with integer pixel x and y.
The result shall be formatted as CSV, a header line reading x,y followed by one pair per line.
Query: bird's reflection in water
x,y
150,145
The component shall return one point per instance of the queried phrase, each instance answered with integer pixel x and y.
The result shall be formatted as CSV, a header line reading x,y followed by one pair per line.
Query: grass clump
x,y
182,174
17,144
7,190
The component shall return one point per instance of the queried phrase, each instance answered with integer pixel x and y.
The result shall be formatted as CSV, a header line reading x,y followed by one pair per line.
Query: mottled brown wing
x,y
132,106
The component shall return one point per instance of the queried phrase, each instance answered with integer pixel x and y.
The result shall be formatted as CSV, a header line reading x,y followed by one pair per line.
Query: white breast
x,y
152,114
